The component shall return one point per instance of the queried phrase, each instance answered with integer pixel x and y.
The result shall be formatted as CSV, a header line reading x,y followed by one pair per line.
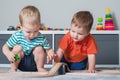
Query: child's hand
x,y
10,57
50,56
91,70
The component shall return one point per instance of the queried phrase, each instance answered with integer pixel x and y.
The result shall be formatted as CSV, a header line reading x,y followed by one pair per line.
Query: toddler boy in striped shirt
x,y
28,43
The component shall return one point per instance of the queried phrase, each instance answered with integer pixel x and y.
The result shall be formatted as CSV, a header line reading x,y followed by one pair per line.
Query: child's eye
x,y
73,31
27,32
36,31
79,34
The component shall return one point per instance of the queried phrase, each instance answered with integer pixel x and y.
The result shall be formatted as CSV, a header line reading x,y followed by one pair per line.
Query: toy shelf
x,y
108,44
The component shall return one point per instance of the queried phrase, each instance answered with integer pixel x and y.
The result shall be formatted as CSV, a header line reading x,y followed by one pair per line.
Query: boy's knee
x,y
38,49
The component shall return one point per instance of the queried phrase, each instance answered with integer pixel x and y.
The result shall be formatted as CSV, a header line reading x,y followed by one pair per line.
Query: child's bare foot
x,y
12,70
42,70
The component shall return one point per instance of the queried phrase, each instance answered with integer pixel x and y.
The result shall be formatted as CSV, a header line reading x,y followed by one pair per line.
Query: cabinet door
x,y
57,37
49,39
3,39
108,45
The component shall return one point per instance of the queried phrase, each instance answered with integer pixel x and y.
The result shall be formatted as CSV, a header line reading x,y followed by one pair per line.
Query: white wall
x,y
57,13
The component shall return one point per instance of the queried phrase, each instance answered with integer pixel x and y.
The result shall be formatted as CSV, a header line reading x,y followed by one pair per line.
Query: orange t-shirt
x,y
77,51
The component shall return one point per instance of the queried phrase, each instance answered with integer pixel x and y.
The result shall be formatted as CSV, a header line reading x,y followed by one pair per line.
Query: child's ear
x,y
20,25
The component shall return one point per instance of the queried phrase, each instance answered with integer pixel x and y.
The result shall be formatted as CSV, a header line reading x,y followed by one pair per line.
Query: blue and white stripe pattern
x,y
19,38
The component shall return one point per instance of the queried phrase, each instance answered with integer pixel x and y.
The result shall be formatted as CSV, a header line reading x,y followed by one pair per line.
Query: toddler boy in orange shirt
x,y
78,48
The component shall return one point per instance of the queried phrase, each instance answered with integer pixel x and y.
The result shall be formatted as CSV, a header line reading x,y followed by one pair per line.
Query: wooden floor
x,y
77,75
67,76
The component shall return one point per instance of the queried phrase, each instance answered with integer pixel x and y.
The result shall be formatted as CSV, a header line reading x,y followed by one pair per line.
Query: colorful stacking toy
x,y
109,25
99,25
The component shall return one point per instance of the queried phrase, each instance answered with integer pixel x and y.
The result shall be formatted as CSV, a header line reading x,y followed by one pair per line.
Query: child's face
x,y
30,30
77,34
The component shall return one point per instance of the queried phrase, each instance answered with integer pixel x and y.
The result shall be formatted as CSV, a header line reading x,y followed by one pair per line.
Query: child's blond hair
x,y
83,19
29,13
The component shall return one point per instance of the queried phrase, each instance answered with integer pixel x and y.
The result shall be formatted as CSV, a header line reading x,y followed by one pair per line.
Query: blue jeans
x,y
76,65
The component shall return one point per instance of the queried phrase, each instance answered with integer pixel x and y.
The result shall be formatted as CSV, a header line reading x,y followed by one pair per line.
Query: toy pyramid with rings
x,y
108,25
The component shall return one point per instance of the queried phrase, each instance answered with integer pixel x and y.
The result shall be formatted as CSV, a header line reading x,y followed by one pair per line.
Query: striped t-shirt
x,y
19,39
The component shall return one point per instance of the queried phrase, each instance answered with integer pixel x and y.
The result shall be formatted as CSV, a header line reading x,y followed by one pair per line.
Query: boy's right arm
x,y
8,53
59,55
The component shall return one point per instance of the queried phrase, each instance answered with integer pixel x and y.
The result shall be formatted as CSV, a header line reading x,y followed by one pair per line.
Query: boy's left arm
x,y
50,55
91,63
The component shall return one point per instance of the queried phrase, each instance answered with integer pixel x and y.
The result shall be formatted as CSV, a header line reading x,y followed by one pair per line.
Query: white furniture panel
x,y
108,43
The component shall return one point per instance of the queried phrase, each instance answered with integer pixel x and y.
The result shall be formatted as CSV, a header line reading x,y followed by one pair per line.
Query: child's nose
x,y
32,34
75,35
